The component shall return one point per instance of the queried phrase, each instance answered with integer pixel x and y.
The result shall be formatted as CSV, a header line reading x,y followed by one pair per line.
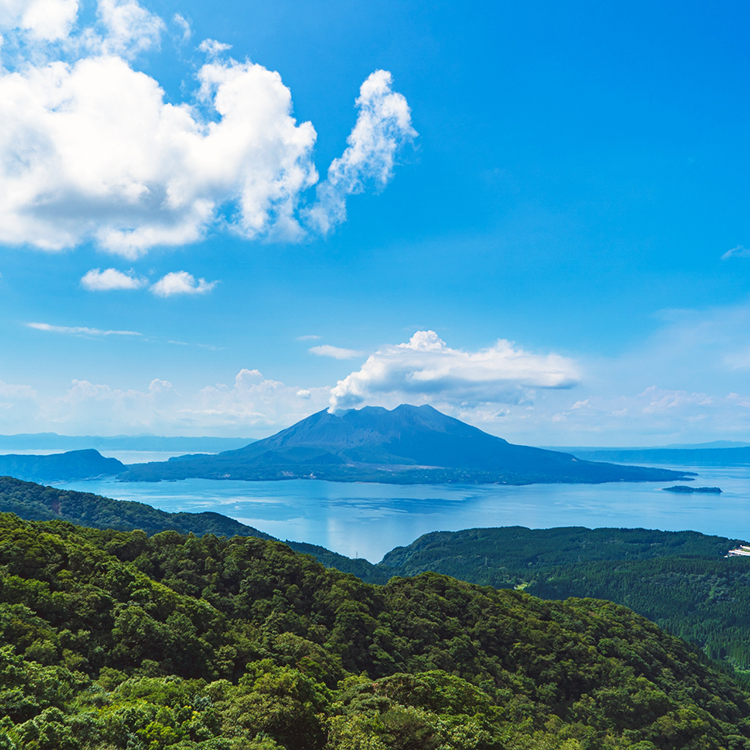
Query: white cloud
x,y
87,406
253,406
110,279
128,28
383,127
309,337
47,20
257,401
9,391
426,370
737,252
655,416
80,330
213,48
90,150
181,282
326,350
184,25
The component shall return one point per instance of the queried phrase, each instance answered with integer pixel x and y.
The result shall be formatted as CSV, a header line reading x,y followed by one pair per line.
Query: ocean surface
x,y
368,520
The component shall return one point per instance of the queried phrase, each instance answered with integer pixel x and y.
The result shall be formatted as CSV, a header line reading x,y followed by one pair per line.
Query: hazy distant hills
x,y
43,441
410,444
71,466
739,456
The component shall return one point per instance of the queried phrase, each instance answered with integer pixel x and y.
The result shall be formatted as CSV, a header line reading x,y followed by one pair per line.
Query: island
x,y
687,488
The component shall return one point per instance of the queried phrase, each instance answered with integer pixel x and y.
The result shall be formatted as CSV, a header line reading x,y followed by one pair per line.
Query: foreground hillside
x,y
36,502
679,580
117,640
410,444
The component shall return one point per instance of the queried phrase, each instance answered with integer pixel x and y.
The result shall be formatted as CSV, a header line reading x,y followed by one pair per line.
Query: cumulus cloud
x,y
47,20
184,26
654,416
737,252
383,127
181,282
336,352
256,401
110,279
213,48
250,405
91,151
80,330
88,406
427,370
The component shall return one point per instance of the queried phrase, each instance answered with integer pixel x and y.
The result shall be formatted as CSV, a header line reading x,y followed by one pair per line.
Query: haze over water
x,y
368,520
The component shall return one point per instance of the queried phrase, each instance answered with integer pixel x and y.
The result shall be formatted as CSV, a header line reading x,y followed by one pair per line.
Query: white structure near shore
x,y
742,551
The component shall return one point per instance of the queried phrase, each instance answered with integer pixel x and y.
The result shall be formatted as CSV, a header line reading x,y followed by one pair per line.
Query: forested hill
x,y
116,640
407,445
37,502
679,580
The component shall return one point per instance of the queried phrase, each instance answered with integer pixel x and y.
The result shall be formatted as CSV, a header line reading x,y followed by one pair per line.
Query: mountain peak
x,y
404,445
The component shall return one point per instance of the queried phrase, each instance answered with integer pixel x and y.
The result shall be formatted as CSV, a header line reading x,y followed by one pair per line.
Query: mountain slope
x,y
112,639
409,444
34,502
70,466
679,580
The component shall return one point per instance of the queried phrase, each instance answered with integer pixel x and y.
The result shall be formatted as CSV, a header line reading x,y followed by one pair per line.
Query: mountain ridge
x,y
69,466
409,444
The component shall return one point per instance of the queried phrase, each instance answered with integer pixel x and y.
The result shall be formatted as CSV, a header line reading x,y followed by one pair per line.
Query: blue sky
x,y
568,179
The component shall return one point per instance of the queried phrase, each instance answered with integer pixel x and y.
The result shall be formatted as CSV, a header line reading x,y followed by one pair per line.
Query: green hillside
x,y
36,502
679,580
111,639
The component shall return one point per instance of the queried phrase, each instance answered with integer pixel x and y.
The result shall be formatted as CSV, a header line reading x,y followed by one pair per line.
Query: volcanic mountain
x,y
408,445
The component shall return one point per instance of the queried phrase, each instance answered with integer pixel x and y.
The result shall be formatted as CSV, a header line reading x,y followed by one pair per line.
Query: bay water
x,y
367,520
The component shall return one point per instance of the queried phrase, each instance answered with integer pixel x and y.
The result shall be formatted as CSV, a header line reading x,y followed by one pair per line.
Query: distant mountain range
x,y
408,445
739,456
44,441
60,467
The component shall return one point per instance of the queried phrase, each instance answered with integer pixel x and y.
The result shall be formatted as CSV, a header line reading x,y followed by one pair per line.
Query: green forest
x,y
679,580
112,639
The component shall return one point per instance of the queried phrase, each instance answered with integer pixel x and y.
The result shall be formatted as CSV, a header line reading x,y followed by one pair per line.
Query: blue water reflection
x,y
367,520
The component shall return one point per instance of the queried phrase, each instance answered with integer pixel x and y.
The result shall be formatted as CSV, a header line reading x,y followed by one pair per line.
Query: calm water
x,y
367,520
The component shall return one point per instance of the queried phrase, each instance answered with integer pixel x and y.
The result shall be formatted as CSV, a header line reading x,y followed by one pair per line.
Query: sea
x,y
367,520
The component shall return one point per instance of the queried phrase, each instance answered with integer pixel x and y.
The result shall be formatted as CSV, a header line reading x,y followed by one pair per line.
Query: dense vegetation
x,y
679,580
113,639
36,502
